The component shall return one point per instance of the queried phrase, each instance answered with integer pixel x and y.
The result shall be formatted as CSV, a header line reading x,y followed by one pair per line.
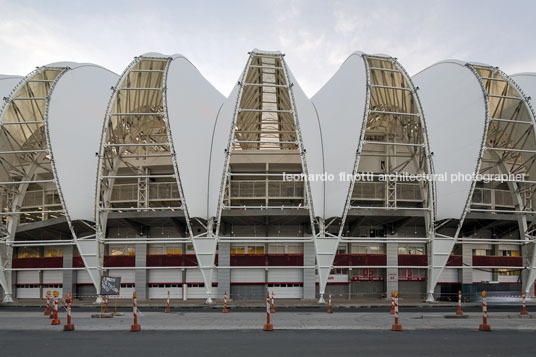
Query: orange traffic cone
x,y
135,326
268,326
484,326
396,326
459,311
55,320
167,303
69,326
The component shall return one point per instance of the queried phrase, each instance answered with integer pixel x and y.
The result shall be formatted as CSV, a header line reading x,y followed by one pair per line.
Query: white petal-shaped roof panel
x,y
341,104
220,140
527,82
454,106
7,84
193,106
309,124
76,110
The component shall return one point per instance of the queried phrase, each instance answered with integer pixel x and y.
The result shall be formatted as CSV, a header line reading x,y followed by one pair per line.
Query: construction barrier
x,y
225,302
392,303
524,308
484,326
268,326
135,326
55,320
47,309
167,303
272,310
330,310
396,326
69,326
459,311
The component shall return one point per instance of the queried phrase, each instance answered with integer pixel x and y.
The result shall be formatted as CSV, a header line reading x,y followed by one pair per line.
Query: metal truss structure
x,y
31,193
507,148
256,156
265,143
393,132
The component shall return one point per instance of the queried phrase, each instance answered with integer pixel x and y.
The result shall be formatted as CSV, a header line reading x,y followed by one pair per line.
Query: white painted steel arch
x,y
345,108
188,119
52,104
486,103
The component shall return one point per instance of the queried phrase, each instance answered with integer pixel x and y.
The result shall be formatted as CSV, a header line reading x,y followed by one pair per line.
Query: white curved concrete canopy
x,y
341,105
311,133
7,83
193,106
527,82
454,106
219,146
76,108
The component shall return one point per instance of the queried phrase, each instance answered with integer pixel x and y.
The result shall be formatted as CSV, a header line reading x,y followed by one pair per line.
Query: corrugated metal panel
x,y
28,277
127,276
285,275
82,277
126,293
194,276
196,293
449,276
286,292
162,293
52,277
509,279
247,275
27,293
165,276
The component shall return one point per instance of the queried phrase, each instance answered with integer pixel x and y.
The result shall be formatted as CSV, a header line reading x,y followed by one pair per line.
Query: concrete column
x,y
68,274
41,283
184,286
527,252
494,252
141,274
466,272
224,275
309,275
391,276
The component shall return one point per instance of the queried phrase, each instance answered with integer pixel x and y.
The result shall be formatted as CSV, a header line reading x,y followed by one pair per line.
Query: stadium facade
x,y
378,183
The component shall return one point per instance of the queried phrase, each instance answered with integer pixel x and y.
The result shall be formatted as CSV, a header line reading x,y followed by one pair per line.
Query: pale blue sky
x,y
316,36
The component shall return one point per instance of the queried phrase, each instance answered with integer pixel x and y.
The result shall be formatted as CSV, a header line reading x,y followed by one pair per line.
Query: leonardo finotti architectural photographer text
x,y
405,177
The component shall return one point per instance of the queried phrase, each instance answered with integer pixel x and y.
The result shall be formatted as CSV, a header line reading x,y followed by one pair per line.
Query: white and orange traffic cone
x,y
484,326
106,304
272,310
396,326
167,303
330,310
47,309
392,303
459,311
69,326
135,326
268,326
225,302
55,320
524,309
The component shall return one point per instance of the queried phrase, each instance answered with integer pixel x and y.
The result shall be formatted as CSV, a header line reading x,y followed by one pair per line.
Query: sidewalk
x,y
181,321
218,304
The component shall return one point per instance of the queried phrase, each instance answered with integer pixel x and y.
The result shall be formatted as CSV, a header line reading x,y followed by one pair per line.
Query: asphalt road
x,y
259,343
